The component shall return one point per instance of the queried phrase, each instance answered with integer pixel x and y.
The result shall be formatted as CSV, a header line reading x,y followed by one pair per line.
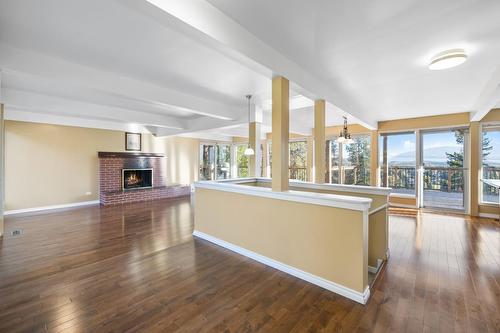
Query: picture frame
x,y
133,141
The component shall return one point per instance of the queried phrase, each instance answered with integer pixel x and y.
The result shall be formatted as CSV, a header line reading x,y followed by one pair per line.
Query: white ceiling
x,y
184,67
376,52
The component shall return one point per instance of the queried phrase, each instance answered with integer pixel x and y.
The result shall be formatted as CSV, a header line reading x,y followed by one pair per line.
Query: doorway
x,y
444,176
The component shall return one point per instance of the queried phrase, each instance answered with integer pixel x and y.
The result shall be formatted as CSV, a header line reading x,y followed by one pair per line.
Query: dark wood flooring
x,y
137,268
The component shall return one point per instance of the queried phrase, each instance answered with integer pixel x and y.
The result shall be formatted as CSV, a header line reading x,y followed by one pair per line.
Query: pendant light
x,y
249,151
344,136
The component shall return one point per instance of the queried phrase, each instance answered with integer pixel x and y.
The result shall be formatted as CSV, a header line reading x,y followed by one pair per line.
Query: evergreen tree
x,y
456,159
298,160
358,155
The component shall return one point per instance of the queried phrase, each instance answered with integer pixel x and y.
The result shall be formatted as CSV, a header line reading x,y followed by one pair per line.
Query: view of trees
x,y
223,161
298,160
491,162
351,161
241,161
358,159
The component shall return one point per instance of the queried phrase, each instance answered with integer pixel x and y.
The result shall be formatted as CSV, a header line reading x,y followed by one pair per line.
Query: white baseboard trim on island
x,y
319,281
38,209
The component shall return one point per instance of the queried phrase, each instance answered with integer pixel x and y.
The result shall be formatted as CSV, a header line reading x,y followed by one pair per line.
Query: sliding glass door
x,y
444,175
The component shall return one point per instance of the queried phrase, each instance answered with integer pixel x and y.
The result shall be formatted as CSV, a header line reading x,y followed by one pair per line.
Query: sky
x,y
435,145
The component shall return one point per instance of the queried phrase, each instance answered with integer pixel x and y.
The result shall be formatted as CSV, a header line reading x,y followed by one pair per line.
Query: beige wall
x,y
446,121
52,165
378,243
324,241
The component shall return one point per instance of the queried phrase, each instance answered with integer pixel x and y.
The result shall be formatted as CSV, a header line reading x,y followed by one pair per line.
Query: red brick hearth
x,y
111,183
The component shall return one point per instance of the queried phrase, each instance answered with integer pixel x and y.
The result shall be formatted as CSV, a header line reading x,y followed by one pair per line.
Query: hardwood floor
x,y
137,268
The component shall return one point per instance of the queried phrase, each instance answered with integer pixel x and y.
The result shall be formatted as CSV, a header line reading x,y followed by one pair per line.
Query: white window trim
x,y
480,150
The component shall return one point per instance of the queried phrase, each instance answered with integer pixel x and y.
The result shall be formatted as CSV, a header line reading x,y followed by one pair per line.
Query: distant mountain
x,y
437,156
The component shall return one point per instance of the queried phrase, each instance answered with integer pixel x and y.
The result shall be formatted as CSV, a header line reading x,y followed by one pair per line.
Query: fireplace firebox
x,y
137,178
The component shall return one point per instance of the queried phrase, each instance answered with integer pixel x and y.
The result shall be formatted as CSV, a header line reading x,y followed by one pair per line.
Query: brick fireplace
x,y
130,177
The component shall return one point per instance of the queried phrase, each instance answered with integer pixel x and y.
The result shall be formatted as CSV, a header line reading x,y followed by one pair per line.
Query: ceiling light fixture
x,y
448,59
344,136
249,151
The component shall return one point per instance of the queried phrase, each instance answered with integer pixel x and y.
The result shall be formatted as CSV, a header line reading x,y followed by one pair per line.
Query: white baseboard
x,y
38,209
375,270
488,215
326,284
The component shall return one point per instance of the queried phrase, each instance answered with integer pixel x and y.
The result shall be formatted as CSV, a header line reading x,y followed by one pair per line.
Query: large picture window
x,y
297,167
397,160
491,161
349,163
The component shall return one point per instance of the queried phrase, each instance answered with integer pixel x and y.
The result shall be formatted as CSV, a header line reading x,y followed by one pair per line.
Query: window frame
x,y
496,126
416,133
341,175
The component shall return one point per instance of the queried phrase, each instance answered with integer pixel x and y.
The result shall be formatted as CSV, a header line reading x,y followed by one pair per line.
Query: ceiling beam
x,y
19,62
39,103
16,114
205,23
201,124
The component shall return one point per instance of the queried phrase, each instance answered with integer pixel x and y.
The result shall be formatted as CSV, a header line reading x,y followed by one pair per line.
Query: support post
x,y
280,133
385,167
319,141
475,146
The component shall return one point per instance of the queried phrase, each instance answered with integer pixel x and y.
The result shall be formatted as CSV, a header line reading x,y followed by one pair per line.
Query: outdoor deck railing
x,y
490,173
444,179
401,177
297,173
435,178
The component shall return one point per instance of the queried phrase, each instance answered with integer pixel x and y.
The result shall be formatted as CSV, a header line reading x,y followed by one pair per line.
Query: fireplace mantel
x,y
110,154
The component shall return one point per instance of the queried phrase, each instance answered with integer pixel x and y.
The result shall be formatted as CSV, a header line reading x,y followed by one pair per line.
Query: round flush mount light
x,y
448,59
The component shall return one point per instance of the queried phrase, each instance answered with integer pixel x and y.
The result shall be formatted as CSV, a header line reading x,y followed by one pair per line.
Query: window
x,y
223,161
491,161
356,161
215,161
241,161
349,163
269,159
297,166
397,160
207,161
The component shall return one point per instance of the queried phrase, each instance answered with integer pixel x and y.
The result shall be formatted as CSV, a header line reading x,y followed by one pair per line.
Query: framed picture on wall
x,y
133,141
